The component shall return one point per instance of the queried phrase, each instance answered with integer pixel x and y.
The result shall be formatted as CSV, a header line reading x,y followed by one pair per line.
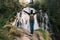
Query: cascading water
x,y
22,20
25,19
44,20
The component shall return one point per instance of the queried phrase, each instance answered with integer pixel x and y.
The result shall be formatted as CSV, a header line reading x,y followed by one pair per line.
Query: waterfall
x,y
44,21
25,19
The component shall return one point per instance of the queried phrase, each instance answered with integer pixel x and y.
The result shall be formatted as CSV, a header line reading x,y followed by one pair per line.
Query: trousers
x,y
31,27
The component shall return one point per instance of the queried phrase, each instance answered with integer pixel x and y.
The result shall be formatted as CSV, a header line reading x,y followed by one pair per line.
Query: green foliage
x,y
35,6
43,33
7,10
54,14
4,34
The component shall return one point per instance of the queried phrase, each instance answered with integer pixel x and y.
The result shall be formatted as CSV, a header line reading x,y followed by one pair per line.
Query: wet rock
x,y
27,36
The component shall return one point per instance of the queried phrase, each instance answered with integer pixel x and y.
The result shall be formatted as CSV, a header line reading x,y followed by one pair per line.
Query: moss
x,y
43,33
4,35
9,32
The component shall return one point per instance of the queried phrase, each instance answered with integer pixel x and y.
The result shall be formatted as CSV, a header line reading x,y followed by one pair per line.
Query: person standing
x,y
31,20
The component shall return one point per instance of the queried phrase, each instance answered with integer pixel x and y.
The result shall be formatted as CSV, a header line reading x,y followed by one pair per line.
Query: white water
x,y
25,19
44,25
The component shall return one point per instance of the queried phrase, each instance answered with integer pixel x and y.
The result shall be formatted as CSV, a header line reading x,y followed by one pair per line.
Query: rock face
x,y
25,35
24,2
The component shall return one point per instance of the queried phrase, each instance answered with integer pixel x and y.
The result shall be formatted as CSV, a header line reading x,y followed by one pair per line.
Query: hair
x,y
31,11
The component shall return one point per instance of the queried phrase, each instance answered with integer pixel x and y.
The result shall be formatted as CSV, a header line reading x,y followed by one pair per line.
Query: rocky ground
x,y
27,36
22,34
